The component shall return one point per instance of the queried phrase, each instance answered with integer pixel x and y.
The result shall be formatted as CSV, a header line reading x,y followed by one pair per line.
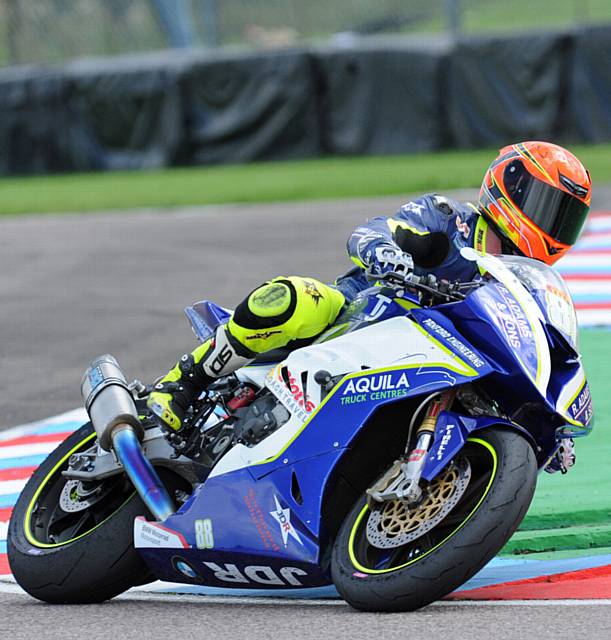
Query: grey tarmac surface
x,y
24,618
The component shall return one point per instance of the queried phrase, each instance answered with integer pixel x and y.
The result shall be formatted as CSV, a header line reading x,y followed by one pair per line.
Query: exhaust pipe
x,y
112,411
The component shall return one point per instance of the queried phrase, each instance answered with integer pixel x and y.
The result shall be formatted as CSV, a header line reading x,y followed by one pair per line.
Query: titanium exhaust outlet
x,y
112,411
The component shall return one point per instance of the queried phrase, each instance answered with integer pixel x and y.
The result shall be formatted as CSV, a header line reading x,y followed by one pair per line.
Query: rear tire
x,y
99,561
448,555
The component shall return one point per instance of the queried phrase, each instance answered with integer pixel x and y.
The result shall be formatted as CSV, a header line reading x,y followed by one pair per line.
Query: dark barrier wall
x,y
197,108
249,108
500,90
589,92
122,117
381,100
32,116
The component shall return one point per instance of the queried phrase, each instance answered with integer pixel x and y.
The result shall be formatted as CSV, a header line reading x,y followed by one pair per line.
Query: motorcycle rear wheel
x,y
75,557
410,576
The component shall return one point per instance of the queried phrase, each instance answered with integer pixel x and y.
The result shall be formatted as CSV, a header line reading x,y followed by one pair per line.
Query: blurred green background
x,y
265,181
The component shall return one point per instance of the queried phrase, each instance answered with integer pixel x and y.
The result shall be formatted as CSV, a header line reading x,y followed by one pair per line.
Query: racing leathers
x,y
425,236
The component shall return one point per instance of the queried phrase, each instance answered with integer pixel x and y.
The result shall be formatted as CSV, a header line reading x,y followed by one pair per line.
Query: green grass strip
x,y
562,519
263,182
588,537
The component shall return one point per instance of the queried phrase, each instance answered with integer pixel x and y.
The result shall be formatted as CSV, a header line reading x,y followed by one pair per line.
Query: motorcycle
x,y
393,457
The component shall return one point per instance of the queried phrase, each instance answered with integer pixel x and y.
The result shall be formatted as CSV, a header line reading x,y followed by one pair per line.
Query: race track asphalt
x,y
151,619
73,287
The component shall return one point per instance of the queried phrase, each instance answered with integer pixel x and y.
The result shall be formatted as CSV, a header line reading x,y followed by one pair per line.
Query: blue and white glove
x,y
389,258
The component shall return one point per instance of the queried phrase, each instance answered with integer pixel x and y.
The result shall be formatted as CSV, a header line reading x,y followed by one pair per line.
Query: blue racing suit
x,y
432,229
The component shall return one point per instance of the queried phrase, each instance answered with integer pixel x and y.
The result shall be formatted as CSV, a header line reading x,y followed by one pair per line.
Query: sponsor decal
x,y
382,303
292,396
457,344
416,455
581,409
182,566
258,519
312,290
259,574
301,399
479,240
204,537
262,335
445,440
218,364
560,310
151,534
380,386
283,518
95,376
513,320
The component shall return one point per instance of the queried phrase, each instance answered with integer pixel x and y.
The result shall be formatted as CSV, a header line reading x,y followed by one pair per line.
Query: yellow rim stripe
x,y
26,523
362,569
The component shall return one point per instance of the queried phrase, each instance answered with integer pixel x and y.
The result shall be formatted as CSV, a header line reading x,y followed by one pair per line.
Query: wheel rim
x,y
393,525
373,560
48,525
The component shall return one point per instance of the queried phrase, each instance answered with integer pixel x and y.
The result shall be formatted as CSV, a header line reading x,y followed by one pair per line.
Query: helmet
x,y
537,196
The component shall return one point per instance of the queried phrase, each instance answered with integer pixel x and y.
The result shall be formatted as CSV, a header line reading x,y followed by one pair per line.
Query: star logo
x,y
283,518
312,291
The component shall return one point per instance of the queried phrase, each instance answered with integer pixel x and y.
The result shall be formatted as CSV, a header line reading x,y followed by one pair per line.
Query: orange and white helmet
x,y
537,196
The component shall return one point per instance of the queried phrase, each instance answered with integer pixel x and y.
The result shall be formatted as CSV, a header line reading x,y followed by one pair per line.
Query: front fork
x,y
402,480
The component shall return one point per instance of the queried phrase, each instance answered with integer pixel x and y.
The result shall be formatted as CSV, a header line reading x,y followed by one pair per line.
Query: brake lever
x,y
445,290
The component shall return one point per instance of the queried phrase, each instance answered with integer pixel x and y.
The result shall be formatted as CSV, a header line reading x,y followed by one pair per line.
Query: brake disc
x,y
76,497
394,523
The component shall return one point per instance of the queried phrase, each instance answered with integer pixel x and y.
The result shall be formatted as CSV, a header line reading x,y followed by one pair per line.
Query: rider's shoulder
x,y
435,210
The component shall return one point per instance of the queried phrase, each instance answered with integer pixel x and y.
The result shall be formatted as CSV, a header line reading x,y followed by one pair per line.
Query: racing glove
x,y
388,258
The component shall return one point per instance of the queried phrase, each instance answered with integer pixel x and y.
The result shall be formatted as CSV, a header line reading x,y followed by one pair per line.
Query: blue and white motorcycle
x,y
393,457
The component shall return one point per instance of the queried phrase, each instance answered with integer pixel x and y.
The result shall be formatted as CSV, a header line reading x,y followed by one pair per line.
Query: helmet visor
x,y
556,212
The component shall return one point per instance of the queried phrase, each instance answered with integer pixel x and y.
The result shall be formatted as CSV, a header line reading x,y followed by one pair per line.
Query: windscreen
x,y
550,291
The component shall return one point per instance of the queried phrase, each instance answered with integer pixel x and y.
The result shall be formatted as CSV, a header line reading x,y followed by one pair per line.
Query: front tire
x,y
79,557
426,569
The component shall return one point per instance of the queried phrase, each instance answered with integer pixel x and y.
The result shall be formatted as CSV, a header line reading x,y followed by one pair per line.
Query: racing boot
x,y
176,391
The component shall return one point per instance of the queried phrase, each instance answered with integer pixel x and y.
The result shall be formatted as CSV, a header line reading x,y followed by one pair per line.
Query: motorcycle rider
x,y
533,201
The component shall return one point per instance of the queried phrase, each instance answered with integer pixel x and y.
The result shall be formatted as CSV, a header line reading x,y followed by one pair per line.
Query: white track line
x,y
7,487
527,603
26,450
76,415
320,602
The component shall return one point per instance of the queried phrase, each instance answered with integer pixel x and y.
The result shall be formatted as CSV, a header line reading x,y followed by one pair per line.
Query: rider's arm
x,y
416,229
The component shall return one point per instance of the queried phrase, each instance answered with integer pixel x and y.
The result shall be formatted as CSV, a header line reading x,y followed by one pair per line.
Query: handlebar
x,y
428,285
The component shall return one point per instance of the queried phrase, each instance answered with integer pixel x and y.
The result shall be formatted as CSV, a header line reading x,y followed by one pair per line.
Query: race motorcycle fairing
x,y
384,349
407,435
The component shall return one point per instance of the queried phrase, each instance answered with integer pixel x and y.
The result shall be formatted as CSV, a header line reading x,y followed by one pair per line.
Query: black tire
x,y
96,564
456,548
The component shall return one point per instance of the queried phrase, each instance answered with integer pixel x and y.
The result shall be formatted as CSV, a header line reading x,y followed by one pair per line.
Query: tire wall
x,y
196,107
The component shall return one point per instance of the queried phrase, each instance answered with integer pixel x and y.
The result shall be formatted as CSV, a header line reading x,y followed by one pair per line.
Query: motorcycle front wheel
x,y
70,542
402,570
